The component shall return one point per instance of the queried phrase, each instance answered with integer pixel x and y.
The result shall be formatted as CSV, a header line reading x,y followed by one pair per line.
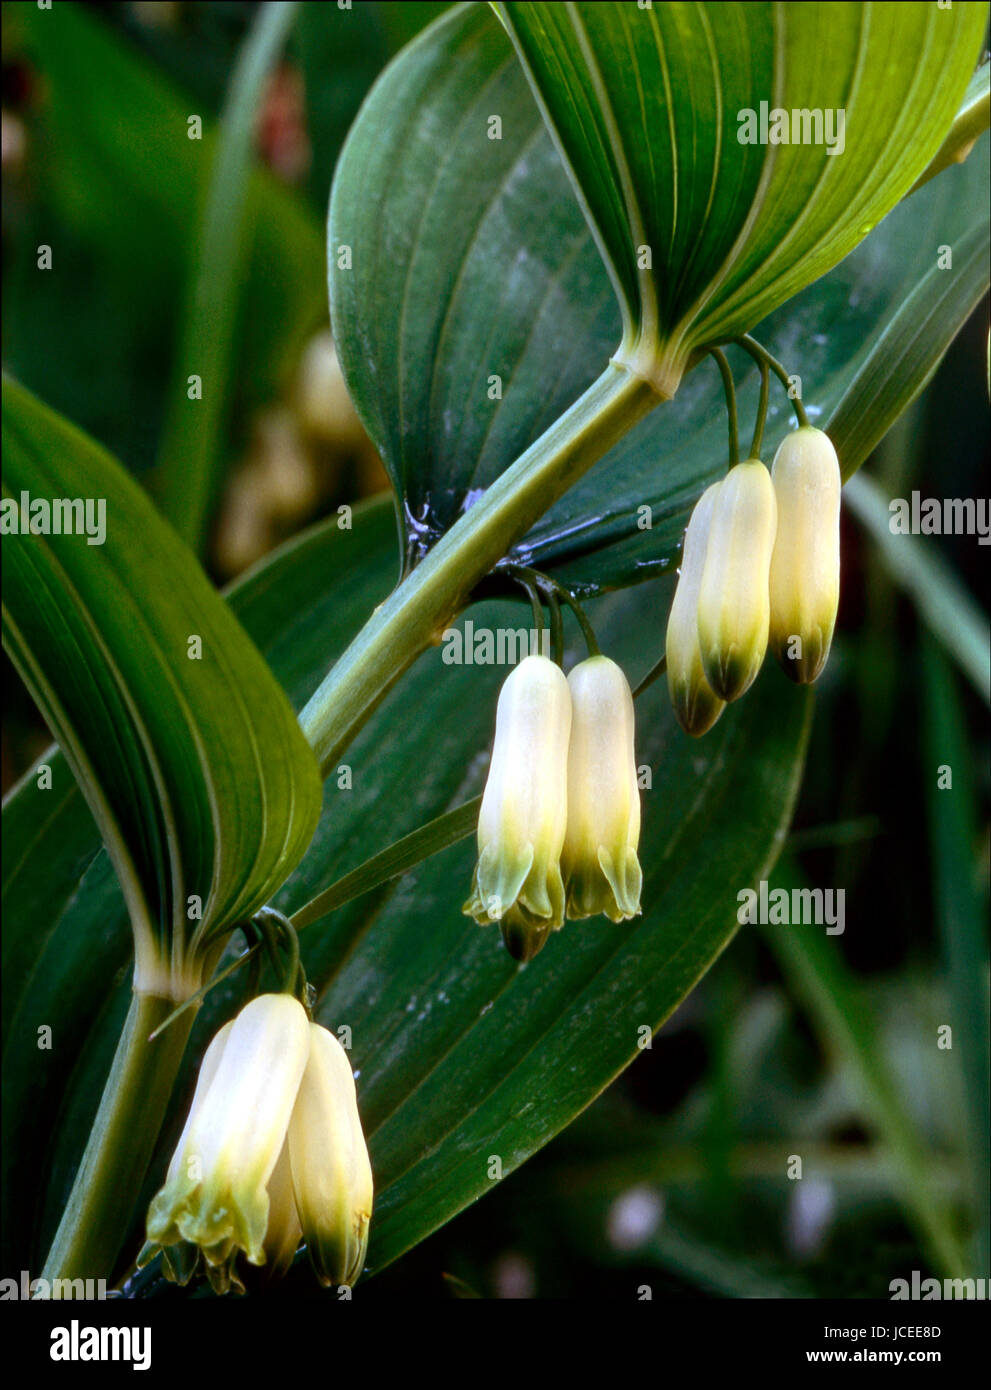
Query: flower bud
x,y
524,811
331,1172
599,861
215,1194
695,702
805,565
284,1232
733,609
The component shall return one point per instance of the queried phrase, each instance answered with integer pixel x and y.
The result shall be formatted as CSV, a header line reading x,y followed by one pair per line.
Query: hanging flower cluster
x,y
272,1154
760,564
560,817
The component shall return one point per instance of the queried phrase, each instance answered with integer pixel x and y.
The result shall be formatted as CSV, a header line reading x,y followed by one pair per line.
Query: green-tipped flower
x,y
524,809
600,862
180,1259
733,608
331,1174
695,702
282,1239
805,565
215,1196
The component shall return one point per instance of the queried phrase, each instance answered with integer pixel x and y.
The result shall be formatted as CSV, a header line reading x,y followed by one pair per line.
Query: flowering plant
x,y
569,249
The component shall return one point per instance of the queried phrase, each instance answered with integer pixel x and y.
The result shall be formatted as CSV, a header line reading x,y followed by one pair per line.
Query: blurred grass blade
x,y
845,1027
838,833
181,739
720,1272
120,190
962,918
190,456
944,605
398,859
458,1288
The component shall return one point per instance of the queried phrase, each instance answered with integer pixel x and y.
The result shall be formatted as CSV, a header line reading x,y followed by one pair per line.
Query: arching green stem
x,y
763,358
755,443
728,387
419,609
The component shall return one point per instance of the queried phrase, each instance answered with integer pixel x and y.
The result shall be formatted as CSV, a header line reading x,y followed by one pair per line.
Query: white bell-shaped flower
x,y
733,606
215,1195
331,1172
696,704
805,565
524,810
601,870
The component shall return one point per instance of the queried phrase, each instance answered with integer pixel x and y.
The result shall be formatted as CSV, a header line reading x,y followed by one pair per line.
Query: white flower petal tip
x,y
733,601
521,825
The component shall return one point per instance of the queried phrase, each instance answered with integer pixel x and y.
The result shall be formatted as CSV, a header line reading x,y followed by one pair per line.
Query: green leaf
x,y
488,231
443,831
190,459
959,902
969,123
459,1053
848,1030
943,603
186,748
647,107
906,353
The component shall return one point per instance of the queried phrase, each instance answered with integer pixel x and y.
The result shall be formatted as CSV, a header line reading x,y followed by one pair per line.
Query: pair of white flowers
x,y
272,1154
760,565
560,817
